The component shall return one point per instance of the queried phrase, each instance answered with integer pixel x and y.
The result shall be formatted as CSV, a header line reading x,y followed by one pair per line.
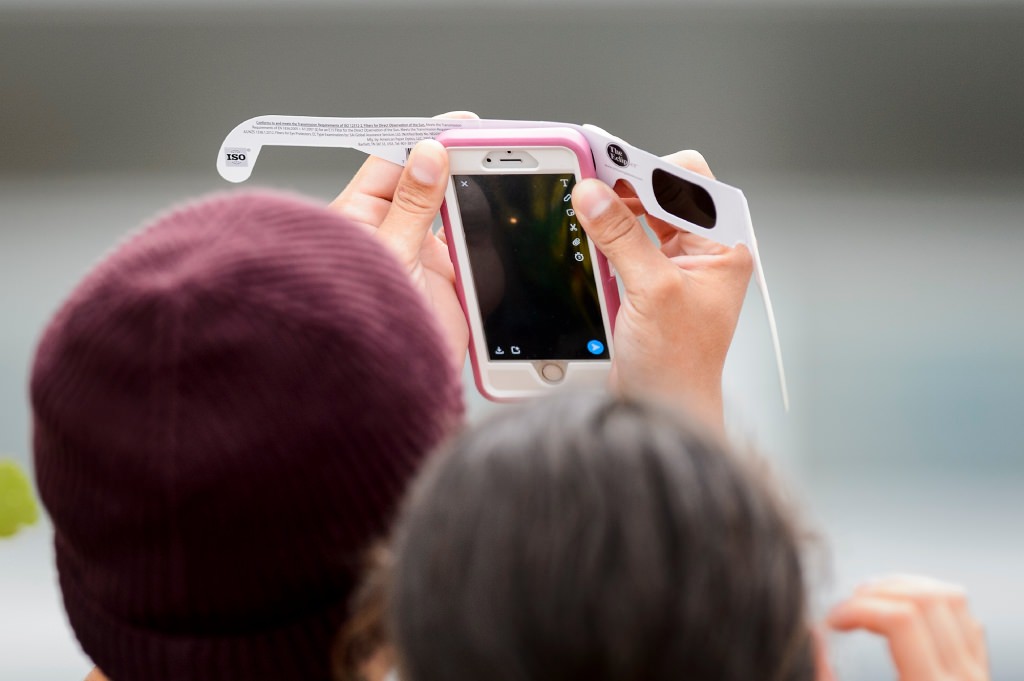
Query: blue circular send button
x,y
595,347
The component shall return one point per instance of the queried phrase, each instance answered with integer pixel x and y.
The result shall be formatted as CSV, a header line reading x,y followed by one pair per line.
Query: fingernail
x,y
592,198
426,164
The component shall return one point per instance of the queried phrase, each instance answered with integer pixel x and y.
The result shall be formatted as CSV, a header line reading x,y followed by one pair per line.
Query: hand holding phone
x,y
682,298
399,205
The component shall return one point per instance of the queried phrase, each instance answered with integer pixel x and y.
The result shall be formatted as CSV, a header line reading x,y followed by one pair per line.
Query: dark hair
x,y
590,537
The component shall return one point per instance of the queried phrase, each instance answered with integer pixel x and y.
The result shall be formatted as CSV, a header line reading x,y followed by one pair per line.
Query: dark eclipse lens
x,y
684,199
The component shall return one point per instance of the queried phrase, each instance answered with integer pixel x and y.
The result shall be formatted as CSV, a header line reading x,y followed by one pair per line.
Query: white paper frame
x,y
392,138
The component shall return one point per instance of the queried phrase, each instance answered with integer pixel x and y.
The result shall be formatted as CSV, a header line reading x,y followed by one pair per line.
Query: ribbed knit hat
x,y
226,412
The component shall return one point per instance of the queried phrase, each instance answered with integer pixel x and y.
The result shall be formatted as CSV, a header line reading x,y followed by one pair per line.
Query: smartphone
x,y
538,296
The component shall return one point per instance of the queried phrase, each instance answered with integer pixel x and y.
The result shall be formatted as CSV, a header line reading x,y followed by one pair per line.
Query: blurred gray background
x,y
879,145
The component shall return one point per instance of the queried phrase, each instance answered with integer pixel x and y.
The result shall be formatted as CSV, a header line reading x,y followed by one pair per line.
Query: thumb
x,y
618,234
417,199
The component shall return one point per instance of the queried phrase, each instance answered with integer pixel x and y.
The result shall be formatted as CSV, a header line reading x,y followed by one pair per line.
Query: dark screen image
x,y
531,267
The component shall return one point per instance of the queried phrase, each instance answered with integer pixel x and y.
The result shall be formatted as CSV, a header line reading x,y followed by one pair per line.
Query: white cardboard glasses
x,y
682,198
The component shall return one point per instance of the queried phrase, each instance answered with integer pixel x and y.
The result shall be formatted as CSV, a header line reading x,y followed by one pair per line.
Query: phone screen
x,y
531,267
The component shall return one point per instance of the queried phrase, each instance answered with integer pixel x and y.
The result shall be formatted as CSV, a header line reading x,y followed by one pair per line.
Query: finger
x,y
925,590
679,242
624,189
628,195
738,258
945,609
691,160
367,197
459,115
617,233
634,205
911,581
949,639
434,257
912,648
976,642
418,197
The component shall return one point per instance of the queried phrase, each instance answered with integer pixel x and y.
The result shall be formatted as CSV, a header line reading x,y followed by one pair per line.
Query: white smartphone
x,y
538,296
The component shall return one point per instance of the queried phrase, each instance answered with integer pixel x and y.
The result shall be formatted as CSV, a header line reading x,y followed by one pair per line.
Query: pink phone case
x,y
540,137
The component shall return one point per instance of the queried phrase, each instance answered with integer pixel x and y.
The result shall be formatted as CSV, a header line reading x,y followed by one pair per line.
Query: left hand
x,y
399,205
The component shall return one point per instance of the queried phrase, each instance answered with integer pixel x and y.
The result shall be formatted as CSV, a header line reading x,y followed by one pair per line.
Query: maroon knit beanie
x,y
226,411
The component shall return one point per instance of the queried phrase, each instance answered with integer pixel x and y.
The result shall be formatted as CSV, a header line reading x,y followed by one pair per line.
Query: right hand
x,y
682,300
932,634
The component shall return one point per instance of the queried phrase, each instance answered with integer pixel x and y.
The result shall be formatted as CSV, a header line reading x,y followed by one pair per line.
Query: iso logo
x,y
238,158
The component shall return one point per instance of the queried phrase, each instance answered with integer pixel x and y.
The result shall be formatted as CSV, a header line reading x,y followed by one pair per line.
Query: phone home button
x,y
552,373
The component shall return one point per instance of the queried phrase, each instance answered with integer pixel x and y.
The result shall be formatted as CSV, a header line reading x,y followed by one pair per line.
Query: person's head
x,y
587,537
226,412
